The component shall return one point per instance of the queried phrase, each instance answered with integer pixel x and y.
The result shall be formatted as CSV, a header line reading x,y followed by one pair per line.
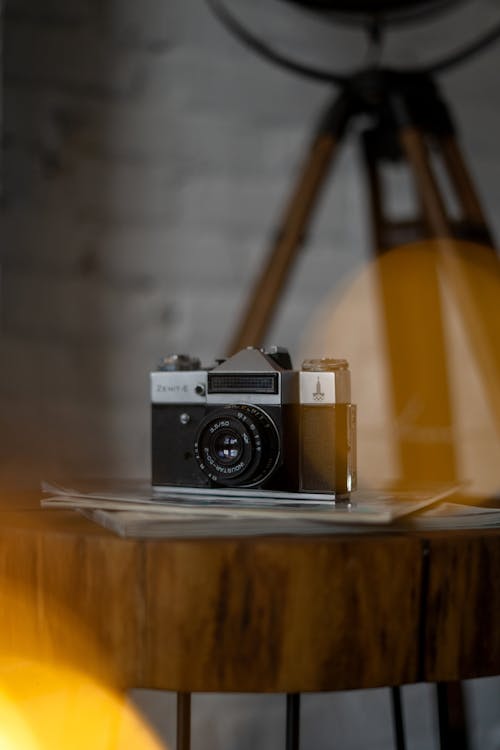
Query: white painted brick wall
x,y
147,157
152,160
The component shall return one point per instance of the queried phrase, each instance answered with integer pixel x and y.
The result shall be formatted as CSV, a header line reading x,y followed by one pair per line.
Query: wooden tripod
x,y
409,115
411,124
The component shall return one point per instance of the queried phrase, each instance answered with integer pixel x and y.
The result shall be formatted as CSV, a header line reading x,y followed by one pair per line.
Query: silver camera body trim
x,y
179,387
321,388
192,388
294,386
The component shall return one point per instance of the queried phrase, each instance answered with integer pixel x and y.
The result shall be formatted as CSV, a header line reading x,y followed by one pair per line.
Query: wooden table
x,y
269,614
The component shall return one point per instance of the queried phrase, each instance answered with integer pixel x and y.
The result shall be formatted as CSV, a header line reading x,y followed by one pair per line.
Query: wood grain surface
x,y
463,606
264,614
283,614
69,595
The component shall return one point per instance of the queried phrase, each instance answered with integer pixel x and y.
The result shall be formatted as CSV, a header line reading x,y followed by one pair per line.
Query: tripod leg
x,y
472,276
411,315
475,285
453,722
417,368
472,273
475,222
387,232
291,233
415,149
375,191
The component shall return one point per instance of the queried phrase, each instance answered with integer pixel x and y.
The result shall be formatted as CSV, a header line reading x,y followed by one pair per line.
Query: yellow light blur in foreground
x,y
420,327
15,733
58,684
44,707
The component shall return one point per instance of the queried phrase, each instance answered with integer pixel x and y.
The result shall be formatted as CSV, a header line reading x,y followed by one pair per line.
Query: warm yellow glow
x,y
15,734
57,682
420,327
44,707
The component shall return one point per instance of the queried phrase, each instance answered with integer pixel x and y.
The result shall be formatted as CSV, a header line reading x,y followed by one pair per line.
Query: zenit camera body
x,y
252,421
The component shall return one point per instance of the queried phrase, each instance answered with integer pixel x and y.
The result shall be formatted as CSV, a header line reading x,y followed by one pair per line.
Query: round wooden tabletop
x,y
261,614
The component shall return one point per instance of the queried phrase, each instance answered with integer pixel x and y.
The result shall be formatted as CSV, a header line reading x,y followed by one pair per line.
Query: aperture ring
x,y
257,451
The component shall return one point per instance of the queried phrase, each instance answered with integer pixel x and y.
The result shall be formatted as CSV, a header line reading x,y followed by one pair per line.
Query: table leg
x,y
397,718
183,721
452,717
292,721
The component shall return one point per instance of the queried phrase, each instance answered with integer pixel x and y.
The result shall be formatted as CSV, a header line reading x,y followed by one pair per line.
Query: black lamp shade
x,y
371,7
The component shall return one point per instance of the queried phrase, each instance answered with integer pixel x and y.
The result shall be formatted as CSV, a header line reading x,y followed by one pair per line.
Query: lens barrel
x,y
237,445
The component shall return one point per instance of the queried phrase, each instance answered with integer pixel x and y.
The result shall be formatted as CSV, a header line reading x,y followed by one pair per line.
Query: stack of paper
x,y
135,510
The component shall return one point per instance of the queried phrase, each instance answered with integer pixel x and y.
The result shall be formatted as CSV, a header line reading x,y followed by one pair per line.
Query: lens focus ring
x,y
237,445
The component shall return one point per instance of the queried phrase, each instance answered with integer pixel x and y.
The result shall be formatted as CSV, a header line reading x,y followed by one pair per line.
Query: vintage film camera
x,y
252,421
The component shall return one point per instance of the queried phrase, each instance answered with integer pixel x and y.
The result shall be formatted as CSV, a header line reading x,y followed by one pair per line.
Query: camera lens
x,y
227,446
237,445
